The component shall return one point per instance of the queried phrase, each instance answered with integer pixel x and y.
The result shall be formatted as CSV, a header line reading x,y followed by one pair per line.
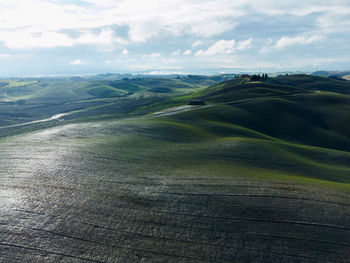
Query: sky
x,y
57,37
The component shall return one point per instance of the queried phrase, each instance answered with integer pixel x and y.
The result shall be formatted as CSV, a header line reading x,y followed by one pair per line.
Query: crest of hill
x,y
238,89
334,74
300,109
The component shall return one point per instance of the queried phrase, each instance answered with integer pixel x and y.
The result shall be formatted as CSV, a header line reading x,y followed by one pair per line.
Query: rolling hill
x,y
260,173
333,74
33,99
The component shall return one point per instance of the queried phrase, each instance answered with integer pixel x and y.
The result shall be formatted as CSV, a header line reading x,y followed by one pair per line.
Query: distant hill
x,y
322,73
60,89
23,100
334,74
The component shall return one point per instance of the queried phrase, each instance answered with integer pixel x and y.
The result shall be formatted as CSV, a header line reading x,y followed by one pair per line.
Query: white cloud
x,y
298,40
140,32
25,39
125,52
44,15
154,55
6,55
168,67
267,46
108,61
197,43
212,28
106,3
244,44
105,37
177,52
220,47
161,72
179,25
265,49
77,62
187,52
49,39
147,19
144,19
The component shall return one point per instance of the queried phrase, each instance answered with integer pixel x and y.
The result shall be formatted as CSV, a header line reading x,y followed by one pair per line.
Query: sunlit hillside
x,y
257,172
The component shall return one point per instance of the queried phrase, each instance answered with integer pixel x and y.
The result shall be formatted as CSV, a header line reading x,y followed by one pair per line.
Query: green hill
x,y
81,98
238,89
260,173
280,119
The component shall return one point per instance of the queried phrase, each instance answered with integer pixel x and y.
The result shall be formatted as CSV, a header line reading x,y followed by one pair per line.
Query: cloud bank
x,y
200,34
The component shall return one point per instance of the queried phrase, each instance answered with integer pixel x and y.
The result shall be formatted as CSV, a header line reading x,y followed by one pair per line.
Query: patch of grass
x,y
21,83
106,91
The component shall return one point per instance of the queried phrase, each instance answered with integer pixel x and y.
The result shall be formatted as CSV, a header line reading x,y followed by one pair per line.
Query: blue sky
x,y
40,37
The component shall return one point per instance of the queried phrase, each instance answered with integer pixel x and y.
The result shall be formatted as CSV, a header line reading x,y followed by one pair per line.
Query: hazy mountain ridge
x,y
334,74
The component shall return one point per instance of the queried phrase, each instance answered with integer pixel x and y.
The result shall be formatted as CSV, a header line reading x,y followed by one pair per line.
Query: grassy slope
x,y
237,89
245,138
263,180
23,100
72,89
306,134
